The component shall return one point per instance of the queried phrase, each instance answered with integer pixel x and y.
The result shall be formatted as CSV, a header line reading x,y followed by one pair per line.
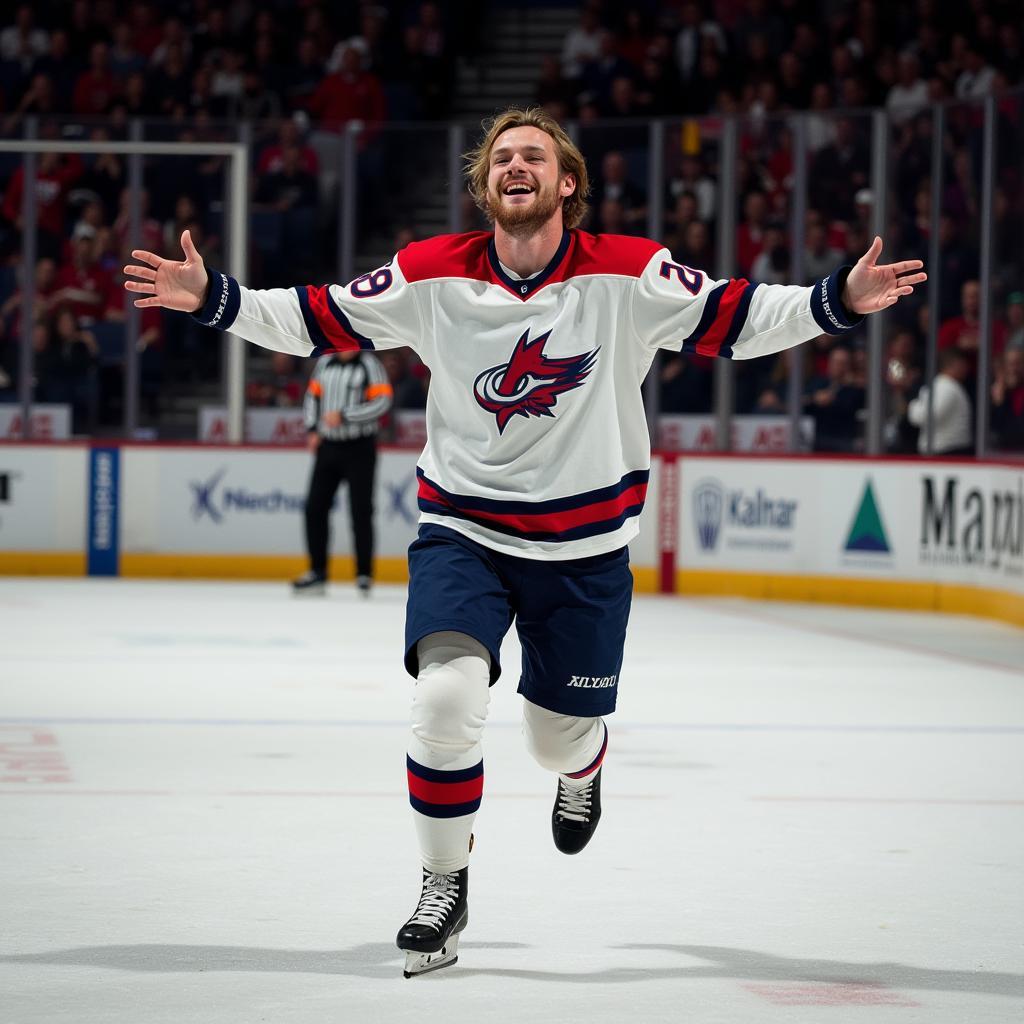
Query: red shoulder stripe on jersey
x,y
462,255
620,255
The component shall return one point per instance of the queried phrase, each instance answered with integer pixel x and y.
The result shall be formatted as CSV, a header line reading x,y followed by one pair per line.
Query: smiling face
x,y
525,186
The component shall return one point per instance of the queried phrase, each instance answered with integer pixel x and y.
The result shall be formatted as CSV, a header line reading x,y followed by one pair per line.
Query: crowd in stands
x,y
299,71
694,62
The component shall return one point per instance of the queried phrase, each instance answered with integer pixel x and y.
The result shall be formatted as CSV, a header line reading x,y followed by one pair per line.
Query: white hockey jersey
x,y
537,441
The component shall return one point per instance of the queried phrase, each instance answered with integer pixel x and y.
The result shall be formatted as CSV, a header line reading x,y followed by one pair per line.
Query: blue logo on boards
x,y
104,474
708,503
209,499
397,494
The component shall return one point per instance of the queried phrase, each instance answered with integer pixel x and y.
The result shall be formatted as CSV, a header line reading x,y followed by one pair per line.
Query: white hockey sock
x,y
574,747
445,755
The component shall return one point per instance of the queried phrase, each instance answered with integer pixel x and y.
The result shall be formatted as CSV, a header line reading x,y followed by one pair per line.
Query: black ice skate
x,y
430,938
576,814
310,583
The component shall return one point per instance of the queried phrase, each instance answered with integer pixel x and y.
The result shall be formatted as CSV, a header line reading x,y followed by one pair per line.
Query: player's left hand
x,y
870,288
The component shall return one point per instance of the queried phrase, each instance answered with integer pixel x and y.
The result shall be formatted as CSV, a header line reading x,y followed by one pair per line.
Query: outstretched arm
x,y
679,308
169,283
870,288
377,310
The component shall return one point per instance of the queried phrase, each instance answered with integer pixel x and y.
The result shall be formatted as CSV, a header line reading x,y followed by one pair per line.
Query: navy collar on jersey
x,y
525,288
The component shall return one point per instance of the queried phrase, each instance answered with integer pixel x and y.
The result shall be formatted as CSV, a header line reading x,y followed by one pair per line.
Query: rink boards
x,y
942,535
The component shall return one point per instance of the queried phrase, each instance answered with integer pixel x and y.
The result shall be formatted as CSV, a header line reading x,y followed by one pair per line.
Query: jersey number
x,y
368,285
690,279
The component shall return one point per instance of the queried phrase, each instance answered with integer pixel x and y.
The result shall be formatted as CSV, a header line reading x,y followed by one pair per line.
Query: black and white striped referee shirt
x,y
358,388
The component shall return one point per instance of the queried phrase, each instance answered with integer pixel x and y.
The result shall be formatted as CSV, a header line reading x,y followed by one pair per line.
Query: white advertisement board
x,y
47,422
42,498
770,434
262,426
921,520
248,501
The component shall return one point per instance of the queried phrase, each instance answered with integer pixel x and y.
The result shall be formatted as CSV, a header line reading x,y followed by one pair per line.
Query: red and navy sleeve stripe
x,y
443,794
329,329
588,514
725,313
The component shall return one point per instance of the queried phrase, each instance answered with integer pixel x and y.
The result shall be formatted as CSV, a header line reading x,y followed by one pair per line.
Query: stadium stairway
x,y
503,73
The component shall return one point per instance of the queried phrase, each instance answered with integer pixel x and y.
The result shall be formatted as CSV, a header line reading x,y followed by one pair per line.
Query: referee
x,y
347,394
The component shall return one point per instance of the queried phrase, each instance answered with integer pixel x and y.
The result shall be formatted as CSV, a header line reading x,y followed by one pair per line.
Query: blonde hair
x,y
570,159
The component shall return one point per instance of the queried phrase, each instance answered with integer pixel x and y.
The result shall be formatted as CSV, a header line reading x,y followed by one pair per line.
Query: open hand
x,y
870,288
169,283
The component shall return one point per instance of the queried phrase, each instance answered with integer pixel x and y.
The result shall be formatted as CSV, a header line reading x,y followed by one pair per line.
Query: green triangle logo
x,y
867,532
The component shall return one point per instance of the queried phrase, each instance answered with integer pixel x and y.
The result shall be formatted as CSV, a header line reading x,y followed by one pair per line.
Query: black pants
x,y
355,462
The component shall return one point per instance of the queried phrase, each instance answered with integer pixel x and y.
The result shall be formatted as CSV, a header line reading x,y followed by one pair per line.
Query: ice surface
x,y
810,814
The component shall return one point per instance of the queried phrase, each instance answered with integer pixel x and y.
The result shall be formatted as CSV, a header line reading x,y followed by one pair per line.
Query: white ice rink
x,y
810,814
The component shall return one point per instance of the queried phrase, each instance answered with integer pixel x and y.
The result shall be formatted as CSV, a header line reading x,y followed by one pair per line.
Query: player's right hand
x,y
169,283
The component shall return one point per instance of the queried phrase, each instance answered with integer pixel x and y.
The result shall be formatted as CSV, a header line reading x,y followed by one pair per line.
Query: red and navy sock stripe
x,y
560,519
444,794
329,329
725,313
595,764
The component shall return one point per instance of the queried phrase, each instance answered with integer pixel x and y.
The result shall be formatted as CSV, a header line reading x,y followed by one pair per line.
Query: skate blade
x,y
317,590
424,963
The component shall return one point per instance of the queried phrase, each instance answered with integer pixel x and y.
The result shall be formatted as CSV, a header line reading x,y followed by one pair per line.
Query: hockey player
x,y
537,336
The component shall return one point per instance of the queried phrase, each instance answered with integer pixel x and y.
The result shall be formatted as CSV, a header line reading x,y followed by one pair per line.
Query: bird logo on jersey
x,y
529,383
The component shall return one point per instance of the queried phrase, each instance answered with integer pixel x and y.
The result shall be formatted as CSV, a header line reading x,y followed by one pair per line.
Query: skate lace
x,y
437,899
574,804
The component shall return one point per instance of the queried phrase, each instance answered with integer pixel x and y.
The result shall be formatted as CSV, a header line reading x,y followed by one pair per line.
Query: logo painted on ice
x,y
529,383
708,503
867,531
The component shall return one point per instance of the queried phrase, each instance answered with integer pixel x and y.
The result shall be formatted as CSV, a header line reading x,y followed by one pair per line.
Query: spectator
x,y
692,177
582,45
975,81
80,285
695,34
42,300
1015,320
750,233
963,332
771,266
289,135
551,86
96,88
839,171
951,411
290,187
125,59
65,362
281,386
820,258
834,402
350,94
910,92
602,71
22,43
697,250
1008,401
303,75
614,184
902,379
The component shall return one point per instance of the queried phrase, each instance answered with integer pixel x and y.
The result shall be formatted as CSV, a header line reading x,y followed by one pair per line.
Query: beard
x,y
521,221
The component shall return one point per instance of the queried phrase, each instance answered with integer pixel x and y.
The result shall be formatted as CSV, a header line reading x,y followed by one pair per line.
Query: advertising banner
x,y
262,426
243,501
47,422
920,521
42,498
749,434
